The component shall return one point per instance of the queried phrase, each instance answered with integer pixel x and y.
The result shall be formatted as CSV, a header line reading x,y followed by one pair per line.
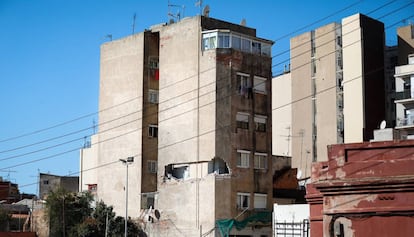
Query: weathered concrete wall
x,y
186,127
282,115
326,94
300,51
88,160
121,99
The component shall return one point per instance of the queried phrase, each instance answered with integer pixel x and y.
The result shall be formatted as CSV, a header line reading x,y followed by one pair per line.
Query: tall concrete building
x,y
338,94
191,102
282,115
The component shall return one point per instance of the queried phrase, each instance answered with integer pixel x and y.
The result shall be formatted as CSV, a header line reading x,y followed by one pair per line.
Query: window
x,y
266,49
209,40
46,182
242,120
235,42
152,166
246,44
244,85
153,96
256,47
243,200
243,158
313,65
147,200
224,40
153,63
260,122
152,130
260,201
260,85
260,160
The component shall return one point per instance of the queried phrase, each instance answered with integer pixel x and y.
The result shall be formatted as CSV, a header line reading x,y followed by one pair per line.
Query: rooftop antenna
x,y
133,23
8,173
173,16
109,36
200,5
94,126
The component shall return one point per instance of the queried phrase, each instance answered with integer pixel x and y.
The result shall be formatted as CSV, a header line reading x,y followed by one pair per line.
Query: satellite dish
x,y
383,124
206,11
243,22
299,174
157,214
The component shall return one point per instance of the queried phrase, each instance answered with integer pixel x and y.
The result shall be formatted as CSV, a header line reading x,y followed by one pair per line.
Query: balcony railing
x,y
404,122
404,70
403,96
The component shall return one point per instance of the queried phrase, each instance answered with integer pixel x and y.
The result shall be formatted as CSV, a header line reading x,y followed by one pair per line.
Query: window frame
x,y
243,159
153,130
260,161
240,200
152,166
258,120
259,87
242,120
256,197
151,98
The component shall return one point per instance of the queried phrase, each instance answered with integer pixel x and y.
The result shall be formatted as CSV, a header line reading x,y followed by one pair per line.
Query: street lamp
x,y
126,162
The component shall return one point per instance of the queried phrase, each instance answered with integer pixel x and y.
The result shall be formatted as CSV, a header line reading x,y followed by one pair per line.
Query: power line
x,y
320,20
214,101
339,26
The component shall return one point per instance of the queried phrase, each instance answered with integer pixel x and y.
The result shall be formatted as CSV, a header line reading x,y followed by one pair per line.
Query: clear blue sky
x,y
49,63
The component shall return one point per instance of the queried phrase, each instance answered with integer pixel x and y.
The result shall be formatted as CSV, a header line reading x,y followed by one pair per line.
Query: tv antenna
x,y
8,173
133,23
177,16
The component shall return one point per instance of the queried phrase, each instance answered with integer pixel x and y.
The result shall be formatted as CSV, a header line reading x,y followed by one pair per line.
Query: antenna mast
x,y
178,15
133,23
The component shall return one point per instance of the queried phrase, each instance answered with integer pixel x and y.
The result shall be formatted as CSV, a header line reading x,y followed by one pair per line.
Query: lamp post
x,y
126,162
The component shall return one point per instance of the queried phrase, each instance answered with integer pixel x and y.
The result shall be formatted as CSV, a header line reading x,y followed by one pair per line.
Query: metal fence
x,y
292,229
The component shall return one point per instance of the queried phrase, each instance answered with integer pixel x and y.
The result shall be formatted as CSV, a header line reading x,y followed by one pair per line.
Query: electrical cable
x,y
320,20
293,102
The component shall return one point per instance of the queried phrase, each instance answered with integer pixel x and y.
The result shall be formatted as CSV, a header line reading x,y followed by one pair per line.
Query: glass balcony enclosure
x,y
213,39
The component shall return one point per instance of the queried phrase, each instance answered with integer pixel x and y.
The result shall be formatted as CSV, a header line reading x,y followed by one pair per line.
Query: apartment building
x,y
337,74
404,79
191,102
50,182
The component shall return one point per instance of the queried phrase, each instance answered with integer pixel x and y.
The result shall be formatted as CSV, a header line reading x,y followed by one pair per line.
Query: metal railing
x,y
292,229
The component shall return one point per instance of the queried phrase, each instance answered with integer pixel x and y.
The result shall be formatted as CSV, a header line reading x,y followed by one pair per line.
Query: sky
x,y
49,63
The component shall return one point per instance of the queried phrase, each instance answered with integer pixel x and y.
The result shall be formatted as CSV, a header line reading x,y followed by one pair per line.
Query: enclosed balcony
x,y
213,39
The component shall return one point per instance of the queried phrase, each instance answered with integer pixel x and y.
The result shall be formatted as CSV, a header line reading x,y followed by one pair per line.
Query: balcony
x,y
404,97
405,70
405,123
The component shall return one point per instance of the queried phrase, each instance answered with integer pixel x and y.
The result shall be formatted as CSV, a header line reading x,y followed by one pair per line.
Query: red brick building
x,y
9,192
364,189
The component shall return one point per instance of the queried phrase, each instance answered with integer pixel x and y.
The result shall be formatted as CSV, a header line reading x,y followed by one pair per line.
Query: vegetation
x,y
4,219
72,215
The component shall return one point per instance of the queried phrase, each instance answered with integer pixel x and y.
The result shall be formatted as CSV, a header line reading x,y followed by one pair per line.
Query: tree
x,y
71,214
4,219
104,216
67,211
